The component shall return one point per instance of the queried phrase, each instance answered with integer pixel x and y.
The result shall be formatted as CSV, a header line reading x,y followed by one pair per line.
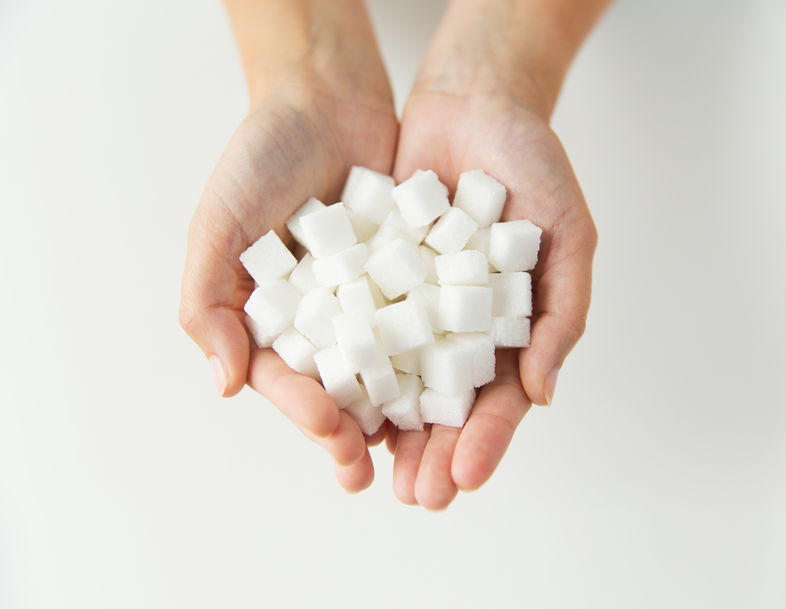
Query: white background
x,y
657,479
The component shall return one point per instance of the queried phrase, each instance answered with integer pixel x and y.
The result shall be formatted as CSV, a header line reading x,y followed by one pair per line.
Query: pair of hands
x,y
299,139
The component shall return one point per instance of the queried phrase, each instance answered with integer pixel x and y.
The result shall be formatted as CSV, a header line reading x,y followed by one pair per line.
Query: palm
x,y
451,134
292,147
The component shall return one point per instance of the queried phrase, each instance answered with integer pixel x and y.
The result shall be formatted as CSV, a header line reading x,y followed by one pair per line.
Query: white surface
x,y
658,479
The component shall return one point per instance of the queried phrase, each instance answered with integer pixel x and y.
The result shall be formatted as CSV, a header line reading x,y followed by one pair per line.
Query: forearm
x,y
325,41
522,46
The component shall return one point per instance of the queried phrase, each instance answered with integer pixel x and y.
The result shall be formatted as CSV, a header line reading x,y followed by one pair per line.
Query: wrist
x,y
521,50
309,46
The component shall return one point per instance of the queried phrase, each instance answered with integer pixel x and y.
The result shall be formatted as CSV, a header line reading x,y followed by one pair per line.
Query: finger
x,y
377,437
356,477
346,444
409,451
562,298
213,292
495,416
300,398
434,486
390,438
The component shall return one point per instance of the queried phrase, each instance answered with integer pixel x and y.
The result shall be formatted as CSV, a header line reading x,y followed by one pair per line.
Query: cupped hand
x,y
299,141
452,132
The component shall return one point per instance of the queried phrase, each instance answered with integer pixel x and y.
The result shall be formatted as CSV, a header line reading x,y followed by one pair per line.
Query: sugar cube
x,y
258,334
337,377
510,331
451,232
356,299
296,352
362,227
293,223
421,199
481,196
427,296
302,276
427,255
403,326
313,317
447,366
327,231
511,294
369,193
483,358
341,267
408,362
404,411
268,258
356,341
446,409
468,267
368,417
480,240
513,246
272,307
464,308
380,382
396,267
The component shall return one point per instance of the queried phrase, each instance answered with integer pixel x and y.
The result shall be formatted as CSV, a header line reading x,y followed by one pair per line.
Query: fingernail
x,y
550,385
218,374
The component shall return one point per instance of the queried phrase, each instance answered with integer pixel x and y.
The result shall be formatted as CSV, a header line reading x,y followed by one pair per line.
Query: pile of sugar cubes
x,y
400,300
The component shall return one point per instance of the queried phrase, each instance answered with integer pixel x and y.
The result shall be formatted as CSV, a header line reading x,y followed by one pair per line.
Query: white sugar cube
x,y
447,366
337,377
404,411
403,326
396,268
427,296
368,417
341,267
362,227
293,223
421,199
260,337
356,341
480,241
327,231
369,193
427,255
313,317
511,294
464,308
408,362
302,276
272,307
468,267
395,220
513,246
483,358
510,331
380,382
451,410
297,352
481,196
356,299
268,258
451,232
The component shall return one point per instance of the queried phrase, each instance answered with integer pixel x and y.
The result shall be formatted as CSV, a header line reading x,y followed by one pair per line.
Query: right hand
x,y
298,141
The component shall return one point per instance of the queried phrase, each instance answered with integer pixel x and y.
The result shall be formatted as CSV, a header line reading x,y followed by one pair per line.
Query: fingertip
x,y
347,443
356,477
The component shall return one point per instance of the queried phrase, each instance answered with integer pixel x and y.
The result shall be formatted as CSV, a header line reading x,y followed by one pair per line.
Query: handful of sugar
x,y
401,300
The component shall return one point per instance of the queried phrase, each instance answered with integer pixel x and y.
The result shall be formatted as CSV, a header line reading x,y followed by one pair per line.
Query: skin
x,y
320,102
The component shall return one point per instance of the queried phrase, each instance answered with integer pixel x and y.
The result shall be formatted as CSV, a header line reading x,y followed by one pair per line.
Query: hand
x,y
296,142
452,126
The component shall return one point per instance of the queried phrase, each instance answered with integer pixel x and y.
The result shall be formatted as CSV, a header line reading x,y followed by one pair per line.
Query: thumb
x,y
213,292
